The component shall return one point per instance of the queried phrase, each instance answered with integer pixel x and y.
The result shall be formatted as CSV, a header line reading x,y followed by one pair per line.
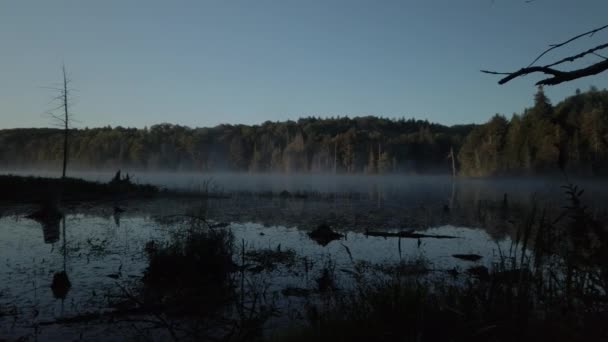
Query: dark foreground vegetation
x,y
571,133
52,190
551,284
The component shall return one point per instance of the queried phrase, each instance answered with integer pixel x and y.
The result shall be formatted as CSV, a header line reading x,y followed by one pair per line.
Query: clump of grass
x,y
191,289
394,310
551,285
326,281
268,259
191,274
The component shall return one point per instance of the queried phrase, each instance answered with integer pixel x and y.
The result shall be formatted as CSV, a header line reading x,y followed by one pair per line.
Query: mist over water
x,y
273,212
412,188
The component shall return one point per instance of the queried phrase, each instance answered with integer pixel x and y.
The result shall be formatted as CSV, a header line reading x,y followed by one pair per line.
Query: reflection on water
x,y
61,282
99,247
380,188
50,231
102,245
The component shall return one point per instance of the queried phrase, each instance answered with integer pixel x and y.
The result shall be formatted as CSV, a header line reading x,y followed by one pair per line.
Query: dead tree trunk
x,y
453,162
335,158
65,123
63,118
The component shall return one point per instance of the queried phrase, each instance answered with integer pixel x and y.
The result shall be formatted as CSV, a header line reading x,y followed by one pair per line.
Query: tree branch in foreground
x,y
560,76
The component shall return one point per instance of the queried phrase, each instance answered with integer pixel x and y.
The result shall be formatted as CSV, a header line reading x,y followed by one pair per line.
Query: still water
x,y
102,249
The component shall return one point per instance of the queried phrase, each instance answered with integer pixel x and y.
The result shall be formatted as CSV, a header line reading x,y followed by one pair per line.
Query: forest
x,y
571,135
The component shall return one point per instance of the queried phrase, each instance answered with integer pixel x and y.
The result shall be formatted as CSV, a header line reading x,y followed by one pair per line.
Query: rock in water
x,y
61,285
323,235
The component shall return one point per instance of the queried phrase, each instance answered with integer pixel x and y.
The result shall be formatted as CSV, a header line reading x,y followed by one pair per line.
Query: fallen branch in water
x,y
467,257
409,235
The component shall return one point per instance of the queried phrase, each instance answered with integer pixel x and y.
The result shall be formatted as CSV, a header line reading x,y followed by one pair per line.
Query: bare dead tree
x,y
61,114
558,76
453,158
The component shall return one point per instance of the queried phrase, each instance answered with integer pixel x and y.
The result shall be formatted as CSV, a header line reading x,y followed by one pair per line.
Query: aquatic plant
x,y
191,273
550,285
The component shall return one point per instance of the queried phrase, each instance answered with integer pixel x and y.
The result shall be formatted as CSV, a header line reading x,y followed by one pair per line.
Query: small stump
x,y
61,285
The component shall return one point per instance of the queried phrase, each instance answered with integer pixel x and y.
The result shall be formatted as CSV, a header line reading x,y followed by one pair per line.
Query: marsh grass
x,y
549,285
194,289
268,259
191,274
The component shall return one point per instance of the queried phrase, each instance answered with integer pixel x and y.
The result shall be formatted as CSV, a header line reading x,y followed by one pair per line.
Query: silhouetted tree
x,y
63,119
573,132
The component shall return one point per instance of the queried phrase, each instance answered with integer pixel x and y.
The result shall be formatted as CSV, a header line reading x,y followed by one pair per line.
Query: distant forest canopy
x,y
341,145
570,136
573,133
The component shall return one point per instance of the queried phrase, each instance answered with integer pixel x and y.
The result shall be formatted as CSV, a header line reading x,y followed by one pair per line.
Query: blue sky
x,y
202,63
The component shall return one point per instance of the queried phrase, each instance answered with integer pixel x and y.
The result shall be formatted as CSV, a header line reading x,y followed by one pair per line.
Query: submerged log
x,y
409,234
467,257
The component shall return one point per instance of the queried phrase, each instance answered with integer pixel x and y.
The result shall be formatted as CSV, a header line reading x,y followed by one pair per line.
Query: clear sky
x,y
202,63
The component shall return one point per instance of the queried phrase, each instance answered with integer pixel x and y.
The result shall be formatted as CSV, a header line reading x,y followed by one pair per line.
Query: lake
x,y
102,246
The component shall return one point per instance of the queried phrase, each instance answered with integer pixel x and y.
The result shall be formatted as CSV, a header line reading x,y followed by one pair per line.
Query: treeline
x,y
340,145
573,135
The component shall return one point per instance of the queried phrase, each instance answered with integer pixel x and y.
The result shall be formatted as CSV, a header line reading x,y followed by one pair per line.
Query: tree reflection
x,y
61,283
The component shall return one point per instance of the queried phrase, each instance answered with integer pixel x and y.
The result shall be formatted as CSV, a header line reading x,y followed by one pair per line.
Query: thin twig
x,y
555,46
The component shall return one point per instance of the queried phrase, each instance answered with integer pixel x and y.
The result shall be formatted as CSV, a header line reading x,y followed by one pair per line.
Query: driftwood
x,y
409,235
467,257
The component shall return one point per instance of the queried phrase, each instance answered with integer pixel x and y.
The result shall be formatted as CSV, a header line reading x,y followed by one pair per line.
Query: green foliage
x,y
572,136
362,144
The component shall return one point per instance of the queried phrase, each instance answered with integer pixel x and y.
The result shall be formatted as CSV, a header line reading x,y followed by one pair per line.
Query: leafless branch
x,y
57,118
495,72
580,55
555,46
600,56
560,76
525,71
